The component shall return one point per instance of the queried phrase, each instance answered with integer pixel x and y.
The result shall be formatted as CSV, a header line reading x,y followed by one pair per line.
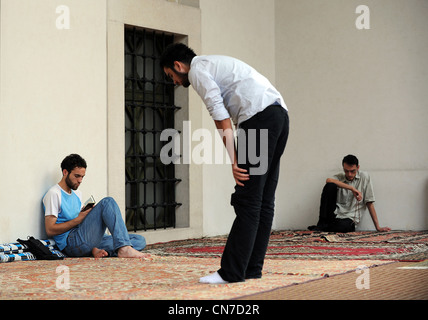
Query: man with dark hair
x,y
235,92
80,232
344,197
350,160
177,52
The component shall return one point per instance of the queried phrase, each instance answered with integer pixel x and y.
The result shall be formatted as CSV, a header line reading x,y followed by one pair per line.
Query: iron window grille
x,y
149,109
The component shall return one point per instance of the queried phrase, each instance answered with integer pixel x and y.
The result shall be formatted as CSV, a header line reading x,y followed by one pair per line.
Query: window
x,y
149,109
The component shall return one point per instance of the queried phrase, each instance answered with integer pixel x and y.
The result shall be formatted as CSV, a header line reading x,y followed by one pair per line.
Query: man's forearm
x,y
340,184
225,130
373,214
357,194
54,229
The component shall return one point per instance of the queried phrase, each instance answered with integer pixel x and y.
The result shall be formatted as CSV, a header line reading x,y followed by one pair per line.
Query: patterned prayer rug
x,y
175,267
393,245
161,278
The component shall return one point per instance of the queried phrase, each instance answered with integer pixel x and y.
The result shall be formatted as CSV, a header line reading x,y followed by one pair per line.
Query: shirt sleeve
x,y
206,87
52,203
339,176
368,192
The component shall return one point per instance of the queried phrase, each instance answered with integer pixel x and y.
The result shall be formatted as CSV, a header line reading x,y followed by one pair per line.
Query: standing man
x,y
81,233
234,92
344,197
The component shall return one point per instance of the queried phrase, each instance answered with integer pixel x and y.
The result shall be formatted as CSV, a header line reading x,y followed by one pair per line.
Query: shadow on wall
x,y
41,228
426,205
50,179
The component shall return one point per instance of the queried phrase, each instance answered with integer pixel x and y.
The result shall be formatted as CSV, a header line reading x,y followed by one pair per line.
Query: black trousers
x,y
327,218
254,203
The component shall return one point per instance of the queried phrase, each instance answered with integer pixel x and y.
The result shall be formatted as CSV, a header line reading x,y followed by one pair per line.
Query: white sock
x,y
214,278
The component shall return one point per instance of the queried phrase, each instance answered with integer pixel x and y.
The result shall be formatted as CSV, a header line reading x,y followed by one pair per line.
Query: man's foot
x,y
214,278
130,252
99,253
317,228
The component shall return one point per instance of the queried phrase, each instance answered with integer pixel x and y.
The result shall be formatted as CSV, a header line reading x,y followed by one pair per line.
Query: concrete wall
x,y
354,91
348,91
52,103
185,22
61,86
245,30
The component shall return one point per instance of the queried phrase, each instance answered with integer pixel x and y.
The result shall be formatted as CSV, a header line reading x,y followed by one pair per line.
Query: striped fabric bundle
x,y
10,248
19,252
23,256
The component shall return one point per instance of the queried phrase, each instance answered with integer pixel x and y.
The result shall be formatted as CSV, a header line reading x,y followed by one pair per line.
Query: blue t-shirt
x,y
64,206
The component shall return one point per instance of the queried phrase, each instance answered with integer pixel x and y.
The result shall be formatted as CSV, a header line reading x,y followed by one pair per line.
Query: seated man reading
x,y
81,233
344,198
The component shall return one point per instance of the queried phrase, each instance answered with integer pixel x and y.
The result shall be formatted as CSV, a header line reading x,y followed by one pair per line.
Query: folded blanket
x,y
24,256
9,248
19,252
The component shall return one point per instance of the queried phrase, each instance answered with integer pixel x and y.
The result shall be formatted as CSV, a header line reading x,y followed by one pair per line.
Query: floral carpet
x,y
161,278
174,269
393,245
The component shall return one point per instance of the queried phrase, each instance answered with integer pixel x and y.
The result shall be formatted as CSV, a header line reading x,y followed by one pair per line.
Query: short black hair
x,y
73,161
176,52
350,159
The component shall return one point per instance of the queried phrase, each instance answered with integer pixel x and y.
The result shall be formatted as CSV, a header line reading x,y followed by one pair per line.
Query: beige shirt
x,y
346,204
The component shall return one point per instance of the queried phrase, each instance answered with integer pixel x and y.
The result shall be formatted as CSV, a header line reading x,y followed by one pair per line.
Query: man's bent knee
x,y
107,200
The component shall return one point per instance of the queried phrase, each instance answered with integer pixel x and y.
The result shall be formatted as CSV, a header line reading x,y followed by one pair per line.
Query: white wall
x,y
62,92
184,21
354,91
348,91
243,29
52,103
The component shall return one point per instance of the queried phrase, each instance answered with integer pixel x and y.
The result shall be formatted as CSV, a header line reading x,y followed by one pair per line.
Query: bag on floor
x,y
40,251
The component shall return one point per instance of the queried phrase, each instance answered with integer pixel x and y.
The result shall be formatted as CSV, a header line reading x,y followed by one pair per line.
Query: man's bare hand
x,y
239,175
82,215
383,229
357,194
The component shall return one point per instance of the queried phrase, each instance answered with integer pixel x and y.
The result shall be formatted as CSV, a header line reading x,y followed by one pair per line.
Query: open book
x,y
89,203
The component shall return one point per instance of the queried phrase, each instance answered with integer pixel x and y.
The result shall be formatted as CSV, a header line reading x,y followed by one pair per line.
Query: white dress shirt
x,y
230,88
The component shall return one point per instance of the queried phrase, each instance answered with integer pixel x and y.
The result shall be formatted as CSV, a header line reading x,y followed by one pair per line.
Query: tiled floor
x,y
394,281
